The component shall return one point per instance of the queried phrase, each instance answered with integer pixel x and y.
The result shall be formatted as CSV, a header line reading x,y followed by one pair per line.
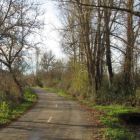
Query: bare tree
x,y
18,20
115,6
107,14
47,60
100,30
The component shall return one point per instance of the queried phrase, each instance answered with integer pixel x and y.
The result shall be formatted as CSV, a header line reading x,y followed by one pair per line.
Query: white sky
x,y
52,39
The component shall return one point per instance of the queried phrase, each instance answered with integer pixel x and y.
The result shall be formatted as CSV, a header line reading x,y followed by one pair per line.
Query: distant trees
x,y
47,60
18,20
51,70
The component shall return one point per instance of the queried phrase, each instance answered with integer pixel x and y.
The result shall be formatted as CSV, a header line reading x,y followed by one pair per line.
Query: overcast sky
x,y
52,39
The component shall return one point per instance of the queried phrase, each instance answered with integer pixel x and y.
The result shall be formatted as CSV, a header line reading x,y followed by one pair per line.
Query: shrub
x,y
80,82
116,93
4,109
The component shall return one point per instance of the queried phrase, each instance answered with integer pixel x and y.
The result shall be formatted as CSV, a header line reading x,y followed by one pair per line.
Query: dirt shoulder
x,y
94,117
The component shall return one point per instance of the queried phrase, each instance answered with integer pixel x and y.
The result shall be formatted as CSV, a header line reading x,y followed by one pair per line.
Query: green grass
x,y
7,114
110,118
115,130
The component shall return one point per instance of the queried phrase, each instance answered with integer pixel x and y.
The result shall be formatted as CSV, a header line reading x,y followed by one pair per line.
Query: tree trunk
x,y
108,52
99,53
17,84
128,66
85,19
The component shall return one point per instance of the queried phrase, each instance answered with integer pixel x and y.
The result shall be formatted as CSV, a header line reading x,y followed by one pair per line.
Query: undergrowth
x,y
110,118
7,114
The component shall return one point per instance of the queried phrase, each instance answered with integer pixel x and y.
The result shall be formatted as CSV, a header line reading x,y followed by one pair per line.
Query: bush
x,y
4,109
9,91
116,93
80,82
29,96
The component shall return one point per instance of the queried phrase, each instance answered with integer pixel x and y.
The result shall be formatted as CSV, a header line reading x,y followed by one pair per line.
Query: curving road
x,y
53,118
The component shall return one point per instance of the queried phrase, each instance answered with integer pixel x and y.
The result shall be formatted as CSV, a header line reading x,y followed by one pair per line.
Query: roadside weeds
x,y
8,116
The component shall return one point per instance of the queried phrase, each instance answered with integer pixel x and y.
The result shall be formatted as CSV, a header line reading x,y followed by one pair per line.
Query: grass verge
x,y
8,114
110,118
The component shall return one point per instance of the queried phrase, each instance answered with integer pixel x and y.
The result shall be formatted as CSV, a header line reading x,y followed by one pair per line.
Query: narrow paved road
x,y
53,118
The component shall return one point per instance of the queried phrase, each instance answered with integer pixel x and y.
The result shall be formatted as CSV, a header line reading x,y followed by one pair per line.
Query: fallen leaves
x,y
94,117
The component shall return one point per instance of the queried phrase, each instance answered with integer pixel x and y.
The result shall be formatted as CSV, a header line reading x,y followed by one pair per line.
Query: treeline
x,y
101,41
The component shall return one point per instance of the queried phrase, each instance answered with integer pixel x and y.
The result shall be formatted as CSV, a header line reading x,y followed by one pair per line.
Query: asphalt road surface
x,y
53,118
